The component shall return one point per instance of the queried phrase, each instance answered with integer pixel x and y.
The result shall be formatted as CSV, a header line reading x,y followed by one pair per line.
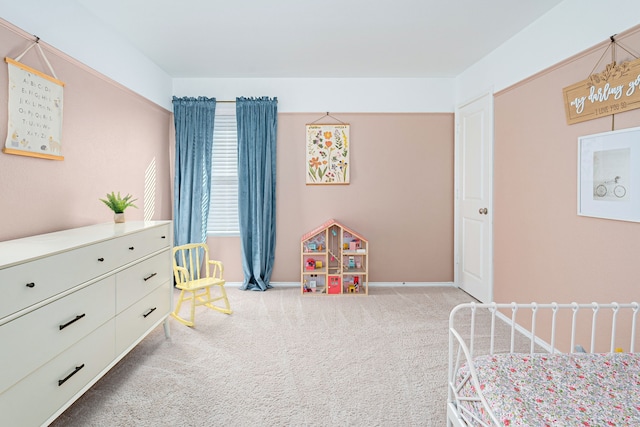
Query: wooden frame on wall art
x,y
609,175
327,160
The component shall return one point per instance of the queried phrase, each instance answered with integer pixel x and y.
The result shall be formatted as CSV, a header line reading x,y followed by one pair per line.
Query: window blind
x,y
223,202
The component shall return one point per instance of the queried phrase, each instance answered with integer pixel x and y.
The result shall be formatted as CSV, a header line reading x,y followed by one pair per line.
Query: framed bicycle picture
x,y
609,175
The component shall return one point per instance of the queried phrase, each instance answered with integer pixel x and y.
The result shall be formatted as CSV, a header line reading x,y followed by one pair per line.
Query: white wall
x,y
569,28
70,28
566,30
337,94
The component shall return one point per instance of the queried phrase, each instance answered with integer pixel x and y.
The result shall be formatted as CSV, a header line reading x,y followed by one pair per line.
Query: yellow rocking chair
x,y
196,273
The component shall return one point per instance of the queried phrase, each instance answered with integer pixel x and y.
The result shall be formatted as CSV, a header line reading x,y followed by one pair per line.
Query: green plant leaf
x,y
117,203
321,172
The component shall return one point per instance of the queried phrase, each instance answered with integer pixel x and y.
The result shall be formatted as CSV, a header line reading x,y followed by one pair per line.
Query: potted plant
x,y
118,204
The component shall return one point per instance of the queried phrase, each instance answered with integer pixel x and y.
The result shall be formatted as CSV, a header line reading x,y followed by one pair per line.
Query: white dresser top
x,y
30,248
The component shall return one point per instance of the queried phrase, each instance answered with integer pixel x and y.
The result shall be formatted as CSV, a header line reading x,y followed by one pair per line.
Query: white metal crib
x,y
464,344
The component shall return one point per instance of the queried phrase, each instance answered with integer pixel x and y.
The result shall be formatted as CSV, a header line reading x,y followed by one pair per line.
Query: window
x,y
223,203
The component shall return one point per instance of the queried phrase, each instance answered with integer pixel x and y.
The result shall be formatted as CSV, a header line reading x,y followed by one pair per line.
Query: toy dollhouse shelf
x,y
334,260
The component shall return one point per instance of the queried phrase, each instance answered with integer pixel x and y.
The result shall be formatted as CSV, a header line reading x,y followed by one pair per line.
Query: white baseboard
x,y
371,284
274,284
233,284
410,284
524,331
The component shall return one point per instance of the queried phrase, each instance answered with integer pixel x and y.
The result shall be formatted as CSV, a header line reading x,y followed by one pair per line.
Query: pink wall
x,y
400,197
544,251
110,137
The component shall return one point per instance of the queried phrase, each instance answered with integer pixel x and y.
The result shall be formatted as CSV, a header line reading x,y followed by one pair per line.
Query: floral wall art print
x,y
328,154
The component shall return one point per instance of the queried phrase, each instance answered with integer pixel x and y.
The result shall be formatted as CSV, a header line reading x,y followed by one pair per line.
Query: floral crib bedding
x,y
578,389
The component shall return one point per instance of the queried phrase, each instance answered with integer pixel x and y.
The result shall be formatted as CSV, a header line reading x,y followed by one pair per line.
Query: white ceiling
x,y
329,38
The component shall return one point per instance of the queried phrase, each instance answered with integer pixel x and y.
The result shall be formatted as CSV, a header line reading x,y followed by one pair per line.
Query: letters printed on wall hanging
x,y
612,91
328,154
35,113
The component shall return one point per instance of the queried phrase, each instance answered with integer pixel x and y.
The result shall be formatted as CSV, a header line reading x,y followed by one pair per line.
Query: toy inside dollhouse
x,y
354,263
333,248
314,261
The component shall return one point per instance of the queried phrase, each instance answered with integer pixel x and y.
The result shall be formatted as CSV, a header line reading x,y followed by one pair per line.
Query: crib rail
x,y
535,309
463,339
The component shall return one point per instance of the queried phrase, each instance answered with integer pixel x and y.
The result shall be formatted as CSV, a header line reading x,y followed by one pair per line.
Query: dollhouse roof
x,y
328,224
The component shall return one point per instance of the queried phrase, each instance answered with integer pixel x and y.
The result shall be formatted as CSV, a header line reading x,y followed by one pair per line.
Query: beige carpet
x,y
283,359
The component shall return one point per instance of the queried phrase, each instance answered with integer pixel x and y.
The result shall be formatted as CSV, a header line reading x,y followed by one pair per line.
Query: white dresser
x,y
72,304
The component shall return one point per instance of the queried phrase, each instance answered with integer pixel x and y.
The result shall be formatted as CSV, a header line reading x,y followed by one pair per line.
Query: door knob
x,y
483,211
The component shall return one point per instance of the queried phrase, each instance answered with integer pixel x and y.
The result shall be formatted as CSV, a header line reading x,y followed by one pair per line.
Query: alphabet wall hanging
x,y
35,110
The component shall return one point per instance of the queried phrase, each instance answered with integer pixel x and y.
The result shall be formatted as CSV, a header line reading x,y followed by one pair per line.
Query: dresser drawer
x,y
33,400
26,284
31,340
137,319
137,245
140,279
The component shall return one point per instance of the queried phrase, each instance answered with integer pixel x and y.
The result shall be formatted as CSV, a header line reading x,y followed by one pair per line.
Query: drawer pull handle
x,y
75,371
101,259
150,276
131,248
78,317
150,311
163,237
31,285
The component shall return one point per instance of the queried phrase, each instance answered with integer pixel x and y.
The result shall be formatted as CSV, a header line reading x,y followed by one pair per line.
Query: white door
x,y
474,198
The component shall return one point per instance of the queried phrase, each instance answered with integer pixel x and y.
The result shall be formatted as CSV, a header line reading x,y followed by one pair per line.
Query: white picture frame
x,y
609,175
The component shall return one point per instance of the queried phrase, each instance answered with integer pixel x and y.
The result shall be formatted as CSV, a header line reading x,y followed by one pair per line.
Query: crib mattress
x,y
578,389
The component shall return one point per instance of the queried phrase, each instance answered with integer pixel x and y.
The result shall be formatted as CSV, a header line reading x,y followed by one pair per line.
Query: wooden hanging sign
x,y
612,91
